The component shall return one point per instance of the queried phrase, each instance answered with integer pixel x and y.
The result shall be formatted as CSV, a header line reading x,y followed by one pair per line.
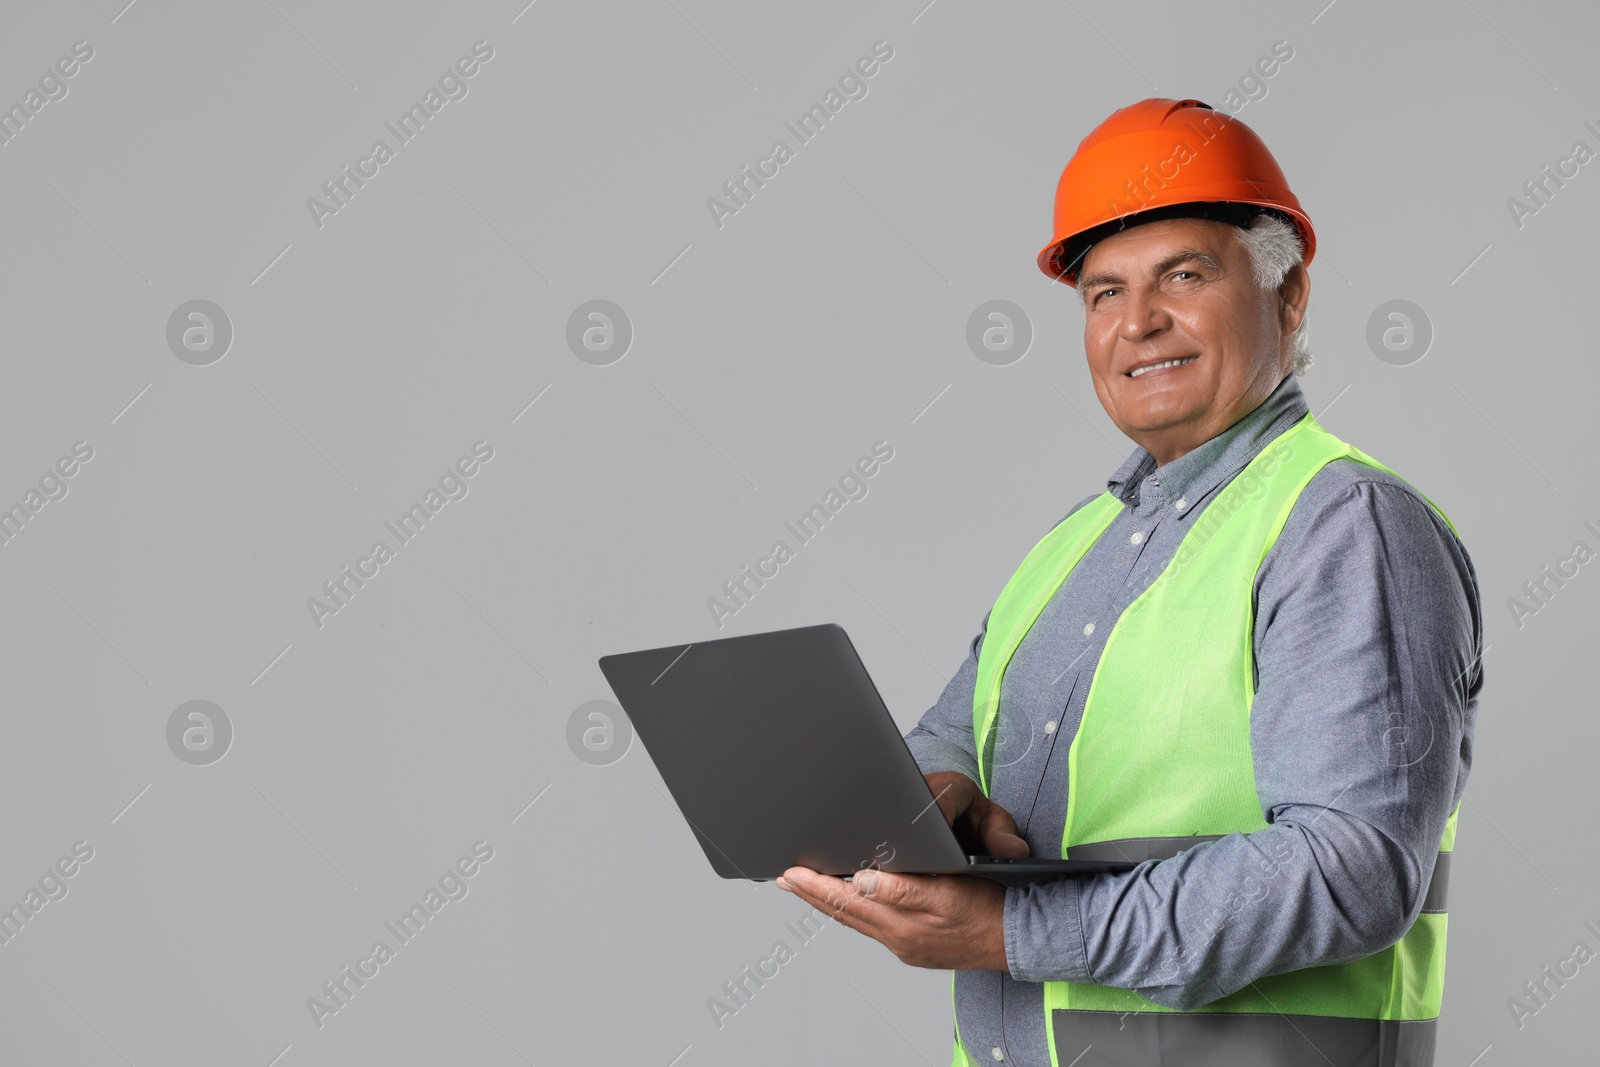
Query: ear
x,y
1293,296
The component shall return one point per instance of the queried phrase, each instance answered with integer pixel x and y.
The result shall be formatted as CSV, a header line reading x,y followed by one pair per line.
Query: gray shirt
x,y
1368,639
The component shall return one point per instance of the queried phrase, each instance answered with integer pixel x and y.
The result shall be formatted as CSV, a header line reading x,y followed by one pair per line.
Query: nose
x,y
1143,315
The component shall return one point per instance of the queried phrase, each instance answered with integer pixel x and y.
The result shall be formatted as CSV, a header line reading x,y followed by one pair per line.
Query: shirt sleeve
x,y
1368,637
942,740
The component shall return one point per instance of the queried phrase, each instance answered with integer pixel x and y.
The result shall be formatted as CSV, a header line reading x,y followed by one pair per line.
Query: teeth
x,y
1158,366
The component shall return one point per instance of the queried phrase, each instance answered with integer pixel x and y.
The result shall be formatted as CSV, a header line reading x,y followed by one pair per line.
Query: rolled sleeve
x,y
1044,933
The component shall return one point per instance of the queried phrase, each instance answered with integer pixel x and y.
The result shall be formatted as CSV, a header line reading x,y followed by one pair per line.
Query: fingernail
x,y
865,882
785,886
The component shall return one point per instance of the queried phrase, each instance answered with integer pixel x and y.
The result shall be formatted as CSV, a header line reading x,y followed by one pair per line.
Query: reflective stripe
x,y
1439,887
1226,1039
1139,849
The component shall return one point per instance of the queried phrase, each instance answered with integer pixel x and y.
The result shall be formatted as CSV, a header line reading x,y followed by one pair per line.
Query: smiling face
x,y
1184,289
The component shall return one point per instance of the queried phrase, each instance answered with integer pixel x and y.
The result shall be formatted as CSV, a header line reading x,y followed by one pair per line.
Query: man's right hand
x,y
982,826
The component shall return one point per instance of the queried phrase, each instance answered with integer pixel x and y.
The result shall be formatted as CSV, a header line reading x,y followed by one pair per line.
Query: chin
x,y
1159,414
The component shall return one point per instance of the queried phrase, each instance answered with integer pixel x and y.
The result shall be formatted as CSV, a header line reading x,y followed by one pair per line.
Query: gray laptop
x,y
779,752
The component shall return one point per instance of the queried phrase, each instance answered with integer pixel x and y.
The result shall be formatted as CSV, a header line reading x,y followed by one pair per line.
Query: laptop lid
x,y
779,751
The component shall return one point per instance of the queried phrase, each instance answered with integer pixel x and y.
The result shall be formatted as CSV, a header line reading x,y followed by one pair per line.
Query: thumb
x,y
1000,834
887,888
1004,843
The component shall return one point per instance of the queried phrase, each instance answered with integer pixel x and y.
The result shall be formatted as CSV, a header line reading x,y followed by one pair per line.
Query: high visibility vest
x,y
1161,761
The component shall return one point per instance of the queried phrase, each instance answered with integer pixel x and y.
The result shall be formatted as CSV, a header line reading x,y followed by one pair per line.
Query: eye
x,y
1096,298
1192,274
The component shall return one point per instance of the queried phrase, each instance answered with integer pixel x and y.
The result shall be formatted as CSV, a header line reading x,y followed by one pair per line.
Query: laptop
x,y
779,752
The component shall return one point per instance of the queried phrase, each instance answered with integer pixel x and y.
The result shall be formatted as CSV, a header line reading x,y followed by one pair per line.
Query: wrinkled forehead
x,y
1144,249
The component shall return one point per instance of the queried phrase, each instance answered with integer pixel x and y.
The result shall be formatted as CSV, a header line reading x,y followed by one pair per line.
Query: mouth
x,y
1166,367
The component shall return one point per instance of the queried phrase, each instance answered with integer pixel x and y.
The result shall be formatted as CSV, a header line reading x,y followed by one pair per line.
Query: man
x,y
1251,664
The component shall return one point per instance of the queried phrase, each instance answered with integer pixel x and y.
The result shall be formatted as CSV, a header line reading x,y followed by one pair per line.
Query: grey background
x,y
769,354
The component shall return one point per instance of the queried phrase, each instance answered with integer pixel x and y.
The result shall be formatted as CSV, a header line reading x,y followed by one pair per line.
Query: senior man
x,y
1252,664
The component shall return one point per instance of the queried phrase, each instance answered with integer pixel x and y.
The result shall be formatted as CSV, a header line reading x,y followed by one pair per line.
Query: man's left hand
x,y
940,921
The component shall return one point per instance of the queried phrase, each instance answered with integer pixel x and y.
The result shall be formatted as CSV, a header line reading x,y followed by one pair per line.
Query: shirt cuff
x,y
1043,924
935,754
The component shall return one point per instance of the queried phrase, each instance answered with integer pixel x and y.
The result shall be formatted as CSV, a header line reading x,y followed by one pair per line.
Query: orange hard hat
x,y
1163,158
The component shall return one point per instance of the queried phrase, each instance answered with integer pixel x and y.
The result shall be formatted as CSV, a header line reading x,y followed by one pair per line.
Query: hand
x,y
982,826
946,922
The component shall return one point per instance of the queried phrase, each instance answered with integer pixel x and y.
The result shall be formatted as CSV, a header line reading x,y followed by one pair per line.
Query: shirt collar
x,y
1140,481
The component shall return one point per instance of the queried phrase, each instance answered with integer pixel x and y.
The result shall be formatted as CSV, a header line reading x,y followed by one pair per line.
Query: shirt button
x,y
996,1053
1050,727
1088,628
1137,538
1181,504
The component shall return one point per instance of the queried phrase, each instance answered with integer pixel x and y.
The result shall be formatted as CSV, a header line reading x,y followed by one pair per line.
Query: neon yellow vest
x,y
1147,782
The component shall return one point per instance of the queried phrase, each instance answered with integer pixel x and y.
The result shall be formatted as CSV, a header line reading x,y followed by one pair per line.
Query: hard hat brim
x,y
1070,250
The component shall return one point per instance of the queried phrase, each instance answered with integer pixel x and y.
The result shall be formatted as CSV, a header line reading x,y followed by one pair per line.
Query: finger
x,y
1000,834
824,892
954,799
1002,843
997,818
968,828
903,892
833,897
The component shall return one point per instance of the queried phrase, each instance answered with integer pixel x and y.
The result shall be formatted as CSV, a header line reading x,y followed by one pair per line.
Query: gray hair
x,y
1274,248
